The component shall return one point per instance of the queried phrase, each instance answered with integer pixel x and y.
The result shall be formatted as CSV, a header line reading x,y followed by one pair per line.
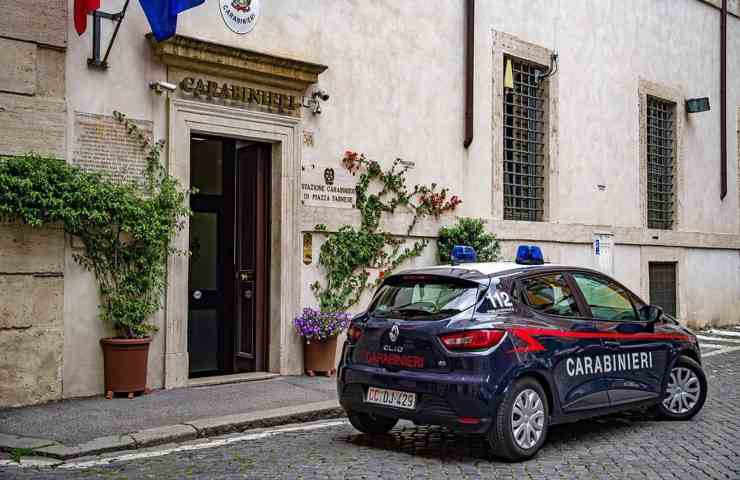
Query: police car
x,y
509,349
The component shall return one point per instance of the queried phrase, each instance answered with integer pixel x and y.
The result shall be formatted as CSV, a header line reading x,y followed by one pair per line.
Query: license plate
x,y
391,398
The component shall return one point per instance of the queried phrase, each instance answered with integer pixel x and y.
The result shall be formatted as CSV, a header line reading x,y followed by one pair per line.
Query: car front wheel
x,y
519,428
371,424
686,391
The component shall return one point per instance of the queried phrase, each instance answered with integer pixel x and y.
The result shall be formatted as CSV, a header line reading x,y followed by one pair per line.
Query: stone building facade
x,y
395,75
33,44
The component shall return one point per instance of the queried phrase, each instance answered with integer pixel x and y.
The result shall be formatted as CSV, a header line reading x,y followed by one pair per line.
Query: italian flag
x,y
82,9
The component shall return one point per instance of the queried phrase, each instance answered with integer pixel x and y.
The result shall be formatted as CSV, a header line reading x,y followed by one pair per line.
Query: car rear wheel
x,y
371,424
686,391
519,428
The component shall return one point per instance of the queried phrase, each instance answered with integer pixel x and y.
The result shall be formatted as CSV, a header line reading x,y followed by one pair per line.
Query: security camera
x,y
321,94
161,86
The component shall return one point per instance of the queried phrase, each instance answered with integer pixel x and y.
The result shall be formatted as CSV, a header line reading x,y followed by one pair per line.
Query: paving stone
x,y
93,447
622,446
10,442
160,435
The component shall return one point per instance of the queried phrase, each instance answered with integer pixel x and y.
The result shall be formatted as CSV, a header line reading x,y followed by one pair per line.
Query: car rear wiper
x,y
410,311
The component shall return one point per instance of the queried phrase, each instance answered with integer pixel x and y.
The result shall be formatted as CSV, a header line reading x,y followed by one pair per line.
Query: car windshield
x,y
424,297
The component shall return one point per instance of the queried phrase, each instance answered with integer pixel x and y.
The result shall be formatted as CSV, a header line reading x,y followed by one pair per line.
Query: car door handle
x,y
612,344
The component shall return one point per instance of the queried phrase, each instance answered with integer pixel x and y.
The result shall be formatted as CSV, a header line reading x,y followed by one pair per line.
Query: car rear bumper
x,y
464,403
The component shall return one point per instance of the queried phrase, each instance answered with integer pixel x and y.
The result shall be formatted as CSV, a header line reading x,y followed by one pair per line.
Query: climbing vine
x,y
126,228
350,252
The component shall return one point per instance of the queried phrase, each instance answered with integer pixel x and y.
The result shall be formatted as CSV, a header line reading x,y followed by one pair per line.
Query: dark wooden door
x,y
252,256
211,269
229,263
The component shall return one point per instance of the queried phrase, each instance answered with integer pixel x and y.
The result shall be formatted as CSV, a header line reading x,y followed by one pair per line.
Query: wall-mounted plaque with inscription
x,y
327,187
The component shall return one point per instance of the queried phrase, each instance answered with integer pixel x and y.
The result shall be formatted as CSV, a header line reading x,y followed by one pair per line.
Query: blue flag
x,y
162,15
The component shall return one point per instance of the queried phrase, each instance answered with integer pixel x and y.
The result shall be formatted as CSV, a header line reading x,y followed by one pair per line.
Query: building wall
x,y
32,118
395,76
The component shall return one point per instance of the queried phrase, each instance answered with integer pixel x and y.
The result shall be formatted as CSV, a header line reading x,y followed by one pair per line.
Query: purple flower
x,y
314,324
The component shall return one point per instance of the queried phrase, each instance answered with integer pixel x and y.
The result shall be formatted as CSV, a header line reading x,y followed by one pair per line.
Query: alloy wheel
x,y
683,390
527,419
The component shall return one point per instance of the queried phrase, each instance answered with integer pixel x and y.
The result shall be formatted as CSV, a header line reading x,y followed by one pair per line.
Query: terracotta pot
x,y
320,356
125,362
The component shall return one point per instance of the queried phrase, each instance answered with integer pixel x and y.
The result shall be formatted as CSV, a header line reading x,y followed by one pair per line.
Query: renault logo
x,y
393,335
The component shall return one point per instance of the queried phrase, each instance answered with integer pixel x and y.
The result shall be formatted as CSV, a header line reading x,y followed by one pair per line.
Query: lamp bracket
x,y
550,71
96,61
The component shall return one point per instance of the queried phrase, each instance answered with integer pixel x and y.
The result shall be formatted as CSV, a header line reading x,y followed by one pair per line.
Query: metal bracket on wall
x,y
96,61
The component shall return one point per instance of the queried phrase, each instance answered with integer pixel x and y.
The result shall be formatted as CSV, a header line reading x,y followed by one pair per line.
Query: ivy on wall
x,y
126,228
348,254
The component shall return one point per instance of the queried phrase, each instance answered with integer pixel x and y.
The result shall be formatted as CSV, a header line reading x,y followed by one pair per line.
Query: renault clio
x,y
509,349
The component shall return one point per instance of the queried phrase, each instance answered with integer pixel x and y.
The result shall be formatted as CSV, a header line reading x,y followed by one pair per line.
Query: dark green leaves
x,y
126,232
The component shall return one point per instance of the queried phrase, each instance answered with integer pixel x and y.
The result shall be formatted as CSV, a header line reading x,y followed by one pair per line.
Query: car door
x,y
573,345
637,357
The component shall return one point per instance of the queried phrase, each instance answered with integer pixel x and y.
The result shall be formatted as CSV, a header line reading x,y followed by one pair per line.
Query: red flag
x,y
82,8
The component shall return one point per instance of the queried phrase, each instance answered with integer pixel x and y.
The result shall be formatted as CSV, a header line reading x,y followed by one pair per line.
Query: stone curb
x,y
190,430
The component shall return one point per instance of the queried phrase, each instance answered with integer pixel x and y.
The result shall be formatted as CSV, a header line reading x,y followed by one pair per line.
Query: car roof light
x,y
463,254
529,255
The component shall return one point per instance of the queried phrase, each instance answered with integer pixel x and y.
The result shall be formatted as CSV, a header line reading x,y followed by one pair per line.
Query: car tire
x,y
683,400
509,442
371,424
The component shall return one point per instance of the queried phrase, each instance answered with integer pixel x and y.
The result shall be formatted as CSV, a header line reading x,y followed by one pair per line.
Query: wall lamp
x,y
314,102
696,105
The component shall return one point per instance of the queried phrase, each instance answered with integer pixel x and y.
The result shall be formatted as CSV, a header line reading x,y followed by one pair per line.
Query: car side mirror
x,y
651,313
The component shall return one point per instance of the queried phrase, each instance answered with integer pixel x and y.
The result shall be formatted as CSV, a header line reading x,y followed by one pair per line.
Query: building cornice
x,y
198,55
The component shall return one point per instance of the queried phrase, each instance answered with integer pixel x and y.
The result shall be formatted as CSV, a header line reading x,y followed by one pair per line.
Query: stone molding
x,y
202,56
283,132
507,44
507,230
675,95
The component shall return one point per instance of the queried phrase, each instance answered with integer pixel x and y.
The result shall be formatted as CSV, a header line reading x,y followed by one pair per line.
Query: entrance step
x,y
235,378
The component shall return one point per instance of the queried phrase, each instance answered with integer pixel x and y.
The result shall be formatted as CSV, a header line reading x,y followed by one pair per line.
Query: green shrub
x,y
468,231
126,229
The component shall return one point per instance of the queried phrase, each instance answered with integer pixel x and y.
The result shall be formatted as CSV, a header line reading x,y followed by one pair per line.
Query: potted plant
x,y
319,331
126,229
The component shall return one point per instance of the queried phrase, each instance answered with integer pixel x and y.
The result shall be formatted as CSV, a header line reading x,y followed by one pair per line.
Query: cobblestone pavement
x,y
618,446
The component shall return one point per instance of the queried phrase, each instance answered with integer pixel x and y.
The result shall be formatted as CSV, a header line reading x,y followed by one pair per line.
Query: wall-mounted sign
x,y
238,94
604,252
327,187
240,15
307,248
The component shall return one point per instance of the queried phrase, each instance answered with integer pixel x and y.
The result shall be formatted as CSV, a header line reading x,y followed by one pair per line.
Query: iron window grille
x,y
660,161
524,143
663,286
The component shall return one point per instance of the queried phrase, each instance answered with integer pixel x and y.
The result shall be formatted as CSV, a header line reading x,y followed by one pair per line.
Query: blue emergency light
x,y
529,255
463,254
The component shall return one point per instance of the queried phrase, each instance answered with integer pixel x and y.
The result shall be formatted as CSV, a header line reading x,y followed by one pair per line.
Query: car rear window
x,y
424,297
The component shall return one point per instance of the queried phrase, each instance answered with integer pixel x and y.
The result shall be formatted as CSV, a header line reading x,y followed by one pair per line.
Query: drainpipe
x,y
723,101
469,69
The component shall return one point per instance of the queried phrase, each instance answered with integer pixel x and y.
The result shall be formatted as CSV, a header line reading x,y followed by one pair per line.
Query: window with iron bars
x,y
660,160
524,143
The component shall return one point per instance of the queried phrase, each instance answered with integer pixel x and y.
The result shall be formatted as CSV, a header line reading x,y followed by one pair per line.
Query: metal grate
x,y
524,144
663,286
660,153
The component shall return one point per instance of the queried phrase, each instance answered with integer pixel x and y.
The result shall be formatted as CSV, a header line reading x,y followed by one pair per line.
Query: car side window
x,y
607,300
549,294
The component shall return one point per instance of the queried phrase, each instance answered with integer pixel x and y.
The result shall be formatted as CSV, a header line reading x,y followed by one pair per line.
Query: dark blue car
x,y
508,349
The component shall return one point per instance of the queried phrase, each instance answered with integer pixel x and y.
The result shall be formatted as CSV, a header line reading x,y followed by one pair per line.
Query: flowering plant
x,y
317,325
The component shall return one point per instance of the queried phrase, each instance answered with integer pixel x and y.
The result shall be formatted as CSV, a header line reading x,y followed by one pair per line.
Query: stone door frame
x,y
282,132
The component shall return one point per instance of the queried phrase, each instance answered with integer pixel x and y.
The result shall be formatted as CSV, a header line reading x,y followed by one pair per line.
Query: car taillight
x,y
354,333
472,339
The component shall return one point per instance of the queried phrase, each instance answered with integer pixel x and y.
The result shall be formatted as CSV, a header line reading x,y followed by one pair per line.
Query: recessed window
x,y
524,141
663,286
660,162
